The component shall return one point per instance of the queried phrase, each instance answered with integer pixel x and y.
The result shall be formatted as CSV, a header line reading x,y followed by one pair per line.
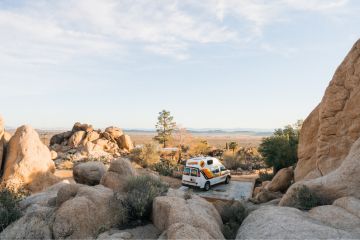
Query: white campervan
x,y
203,172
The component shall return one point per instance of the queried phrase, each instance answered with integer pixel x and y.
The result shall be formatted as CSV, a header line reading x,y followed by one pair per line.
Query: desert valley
x,y
86,183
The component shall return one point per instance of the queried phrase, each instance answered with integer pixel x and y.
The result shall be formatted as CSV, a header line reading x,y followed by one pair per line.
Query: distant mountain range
x,y
241,131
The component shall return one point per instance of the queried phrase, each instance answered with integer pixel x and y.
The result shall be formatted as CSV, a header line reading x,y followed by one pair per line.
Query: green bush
x,y
141,191
231,161
306,199
232,215
164,167
265,176
147,155
9,210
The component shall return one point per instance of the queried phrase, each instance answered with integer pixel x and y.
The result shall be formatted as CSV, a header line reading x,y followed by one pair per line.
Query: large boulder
x,y
89,173
60,138
342,182
119,172
28,161
281,181
2,142
84,211
115,132
76,139
124,142
334,125
180,218
271,222
82,127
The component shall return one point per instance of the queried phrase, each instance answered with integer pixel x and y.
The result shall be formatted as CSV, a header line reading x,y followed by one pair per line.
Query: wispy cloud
x,y
56,31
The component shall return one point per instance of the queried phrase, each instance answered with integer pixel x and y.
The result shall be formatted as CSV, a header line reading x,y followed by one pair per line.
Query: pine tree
x,y
165,127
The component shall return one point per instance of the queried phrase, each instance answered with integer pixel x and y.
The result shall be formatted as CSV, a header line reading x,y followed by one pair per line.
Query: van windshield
x,y
186,171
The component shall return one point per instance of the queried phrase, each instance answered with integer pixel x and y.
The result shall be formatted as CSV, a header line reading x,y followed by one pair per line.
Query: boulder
x,y
336,217
272,222
54,155
124,142
142,232
350,204
86,212
76,139
90,137
28,160
281,181
265,196
35,224
115,132
60,138
117,175
329,132
342,182
178,215
89,173
82,127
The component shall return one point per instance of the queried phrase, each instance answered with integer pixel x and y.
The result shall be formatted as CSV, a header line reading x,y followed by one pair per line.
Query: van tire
x,y
227,180
207,186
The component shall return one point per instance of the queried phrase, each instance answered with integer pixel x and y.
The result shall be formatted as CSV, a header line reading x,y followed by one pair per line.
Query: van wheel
x,y
227,181
207,186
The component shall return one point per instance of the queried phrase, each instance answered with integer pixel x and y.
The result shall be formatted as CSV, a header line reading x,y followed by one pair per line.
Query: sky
x,y
212,64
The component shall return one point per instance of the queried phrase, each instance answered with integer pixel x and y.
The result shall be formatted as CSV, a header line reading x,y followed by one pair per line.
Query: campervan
x,y
203,172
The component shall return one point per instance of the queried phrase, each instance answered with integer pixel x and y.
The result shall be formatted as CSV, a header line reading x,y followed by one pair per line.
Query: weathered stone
x,y
115,132
28,161
332,128
82,127
281,181
76,139
60,138
117,175
195,212
89,173
124,142
272,222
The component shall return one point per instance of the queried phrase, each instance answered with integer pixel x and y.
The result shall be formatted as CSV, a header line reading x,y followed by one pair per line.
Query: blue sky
x,y
213,64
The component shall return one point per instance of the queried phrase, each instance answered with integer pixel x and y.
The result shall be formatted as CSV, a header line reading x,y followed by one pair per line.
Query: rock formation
x,y
273,222
28,161
83,142
181,218
334,125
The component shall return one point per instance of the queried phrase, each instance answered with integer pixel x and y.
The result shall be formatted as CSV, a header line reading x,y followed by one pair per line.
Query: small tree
x,y
280,149
165,127
233,146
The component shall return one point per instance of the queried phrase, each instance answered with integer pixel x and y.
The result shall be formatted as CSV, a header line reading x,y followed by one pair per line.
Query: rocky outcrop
x,y
28,161
334,125
342,182
181,218
272,222
83,143
119,172
89,173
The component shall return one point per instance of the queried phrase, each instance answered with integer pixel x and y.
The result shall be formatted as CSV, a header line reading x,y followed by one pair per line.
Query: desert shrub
x,y
147,155
231,161
306,199
232,217
141,191
9,210
199,147
164,167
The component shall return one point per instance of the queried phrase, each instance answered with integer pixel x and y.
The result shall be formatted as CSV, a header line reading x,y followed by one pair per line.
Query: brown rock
x,y
117,175
82,127
332,128
125,142
195,212
76,139
115,132
27,159
342,182
54,155
86,213
265,196
89,173
60,138
281,181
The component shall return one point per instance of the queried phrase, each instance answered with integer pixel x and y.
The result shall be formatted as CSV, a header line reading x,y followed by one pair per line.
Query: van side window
x,y
194,172
216,170
187,171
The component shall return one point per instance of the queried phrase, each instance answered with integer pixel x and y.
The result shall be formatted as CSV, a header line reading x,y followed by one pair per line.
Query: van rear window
x,y
194,172
186,171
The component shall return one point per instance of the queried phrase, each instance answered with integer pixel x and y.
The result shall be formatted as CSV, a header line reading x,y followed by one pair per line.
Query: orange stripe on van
x,y
208,173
